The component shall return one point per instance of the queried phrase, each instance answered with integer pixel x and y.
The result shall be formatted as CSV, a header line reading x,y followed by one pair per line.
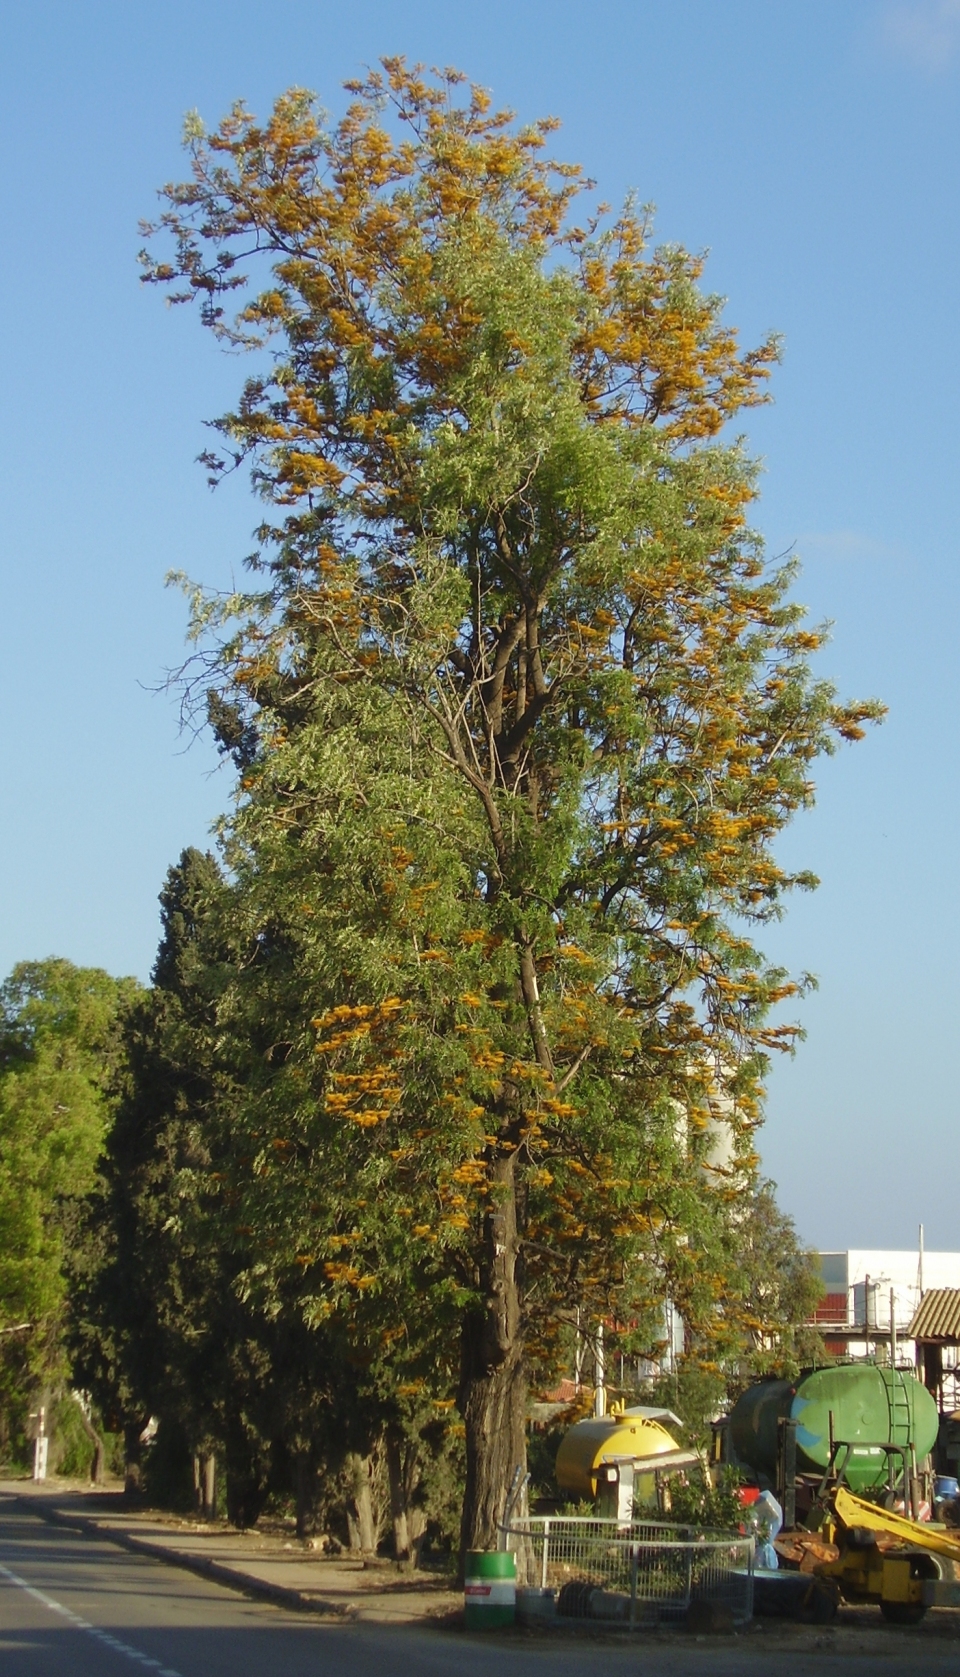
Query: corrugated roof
x,y
937,1316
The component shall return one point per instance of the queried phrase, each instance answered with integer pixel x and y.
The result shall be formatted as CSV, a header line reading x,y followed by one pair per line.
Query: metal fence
x,y
627,1575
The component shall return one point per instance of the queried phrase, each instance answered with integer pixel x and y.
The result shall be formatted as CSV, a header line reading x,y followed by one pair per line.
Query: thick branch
x,y
531,1001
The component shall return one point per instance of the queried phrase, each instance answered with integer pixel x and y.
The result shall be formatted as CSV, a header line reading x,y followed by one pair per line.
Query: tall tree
x,y
59,1045
157,1326
150,1292
780,1284
519,712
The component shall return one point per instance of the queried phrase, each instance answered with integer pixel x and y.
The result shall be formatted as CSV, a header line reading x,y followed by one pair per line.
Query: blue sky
x,y
813,148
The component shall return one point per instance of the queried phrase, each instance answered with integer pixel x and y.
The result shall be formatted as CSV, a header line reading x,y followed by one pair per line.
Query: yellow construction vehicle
x,y
903,1581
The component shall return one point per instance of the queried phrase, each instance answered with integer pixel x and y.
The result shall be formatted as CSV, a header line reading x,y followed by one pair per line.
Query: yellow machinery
x,y
902,1581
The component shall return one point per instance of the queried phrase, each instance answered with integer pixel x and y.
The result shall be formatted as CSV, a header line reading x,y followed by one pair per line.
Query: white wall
x,y
849,1271
901,1271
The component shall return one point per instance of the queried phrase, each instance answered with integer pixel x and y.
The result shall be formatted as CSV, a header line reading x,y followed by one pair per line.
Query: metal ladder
x,y
900,1407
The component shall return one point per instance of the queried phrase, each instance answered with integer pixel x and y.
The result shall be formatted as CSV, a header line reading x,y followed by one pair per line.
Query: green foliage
x,y
542,1446
695,1392
696,1501
167,1480
780,1285
59,1051
70,1452
156,1327
439,1493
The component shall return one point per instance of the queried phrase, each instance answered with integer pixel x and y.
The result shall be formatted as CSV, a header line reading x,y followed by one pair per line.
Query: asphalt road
x,y
73,1606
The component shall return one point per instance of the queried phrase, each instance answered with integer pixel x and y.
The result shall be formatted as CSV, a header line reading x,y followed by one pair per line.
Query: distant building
x,y
854,1315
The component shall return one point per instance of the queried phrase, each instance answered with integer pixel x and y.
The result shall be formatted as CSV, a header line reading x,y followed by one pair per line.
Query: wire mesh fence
x,y
627,1575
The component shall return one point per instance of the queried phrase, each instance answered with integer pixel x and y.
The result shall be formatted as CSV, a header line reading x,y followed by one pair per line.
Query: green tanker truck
x,y
858,1403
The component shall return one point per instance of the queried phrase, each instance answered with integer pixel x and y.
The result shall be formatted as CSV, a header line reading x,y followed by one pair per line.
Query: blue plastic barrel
x,y
945,1489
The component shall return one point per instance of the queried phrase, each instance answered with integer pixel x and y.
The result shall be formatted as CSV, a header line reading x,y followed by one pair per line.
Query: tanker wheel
x,y
902,1612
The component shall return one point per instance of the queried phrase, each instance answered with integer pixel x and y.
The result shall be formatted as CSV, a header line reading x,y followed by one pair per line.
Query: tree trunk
x,y
133,1458
403,1468
306,1489
96,1461
493,1378
205,1484
361,1523
210,1486
245,1482
398,1498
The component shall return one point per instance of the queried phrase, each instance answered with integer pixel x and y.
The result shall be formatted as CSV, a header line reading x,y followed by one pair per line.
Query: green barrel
x,y
489,1590
870,1406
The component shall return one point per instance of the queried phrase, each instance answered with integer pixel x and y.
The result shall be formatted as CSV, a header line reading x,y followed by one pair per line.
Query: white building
x,y
860,1286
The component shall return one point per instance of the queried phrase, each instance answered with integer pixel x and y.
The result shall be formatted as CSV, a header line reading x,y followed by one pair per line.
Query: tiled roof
x,y
937,1316
567,1392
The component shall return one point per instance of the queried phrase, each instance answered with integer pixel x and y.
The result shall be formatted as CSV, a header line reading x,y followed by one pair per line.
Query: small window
x,y
833,1271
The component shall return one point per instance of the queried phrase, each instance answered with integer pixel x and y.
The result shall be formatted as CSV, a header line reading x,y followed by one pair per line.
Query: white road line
x,y
92,1630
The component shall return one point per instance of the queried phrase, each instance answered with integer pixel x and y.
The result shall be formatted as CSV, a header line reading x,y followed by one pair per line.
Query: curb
x,y
279,1594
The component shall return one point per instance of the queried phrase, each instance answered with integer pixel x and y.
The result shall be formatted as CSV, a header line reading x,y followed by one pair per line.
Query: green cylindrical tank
x,y
871,1406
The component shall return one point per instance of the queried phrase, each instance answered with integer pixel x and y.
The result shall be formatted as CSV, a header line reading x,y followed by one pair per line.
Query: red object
x,y
832,1308
747,1495
924,1511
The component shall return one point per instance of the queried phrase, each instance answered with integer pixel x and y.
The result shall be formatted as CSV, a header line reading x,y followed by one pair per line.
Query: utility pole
x,y
893,1330
41,1445
599,1388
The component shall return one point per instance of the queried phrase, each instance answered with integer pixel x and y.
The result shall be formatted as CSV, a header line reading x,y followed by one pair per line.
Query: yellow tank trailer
x,y
594,1453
